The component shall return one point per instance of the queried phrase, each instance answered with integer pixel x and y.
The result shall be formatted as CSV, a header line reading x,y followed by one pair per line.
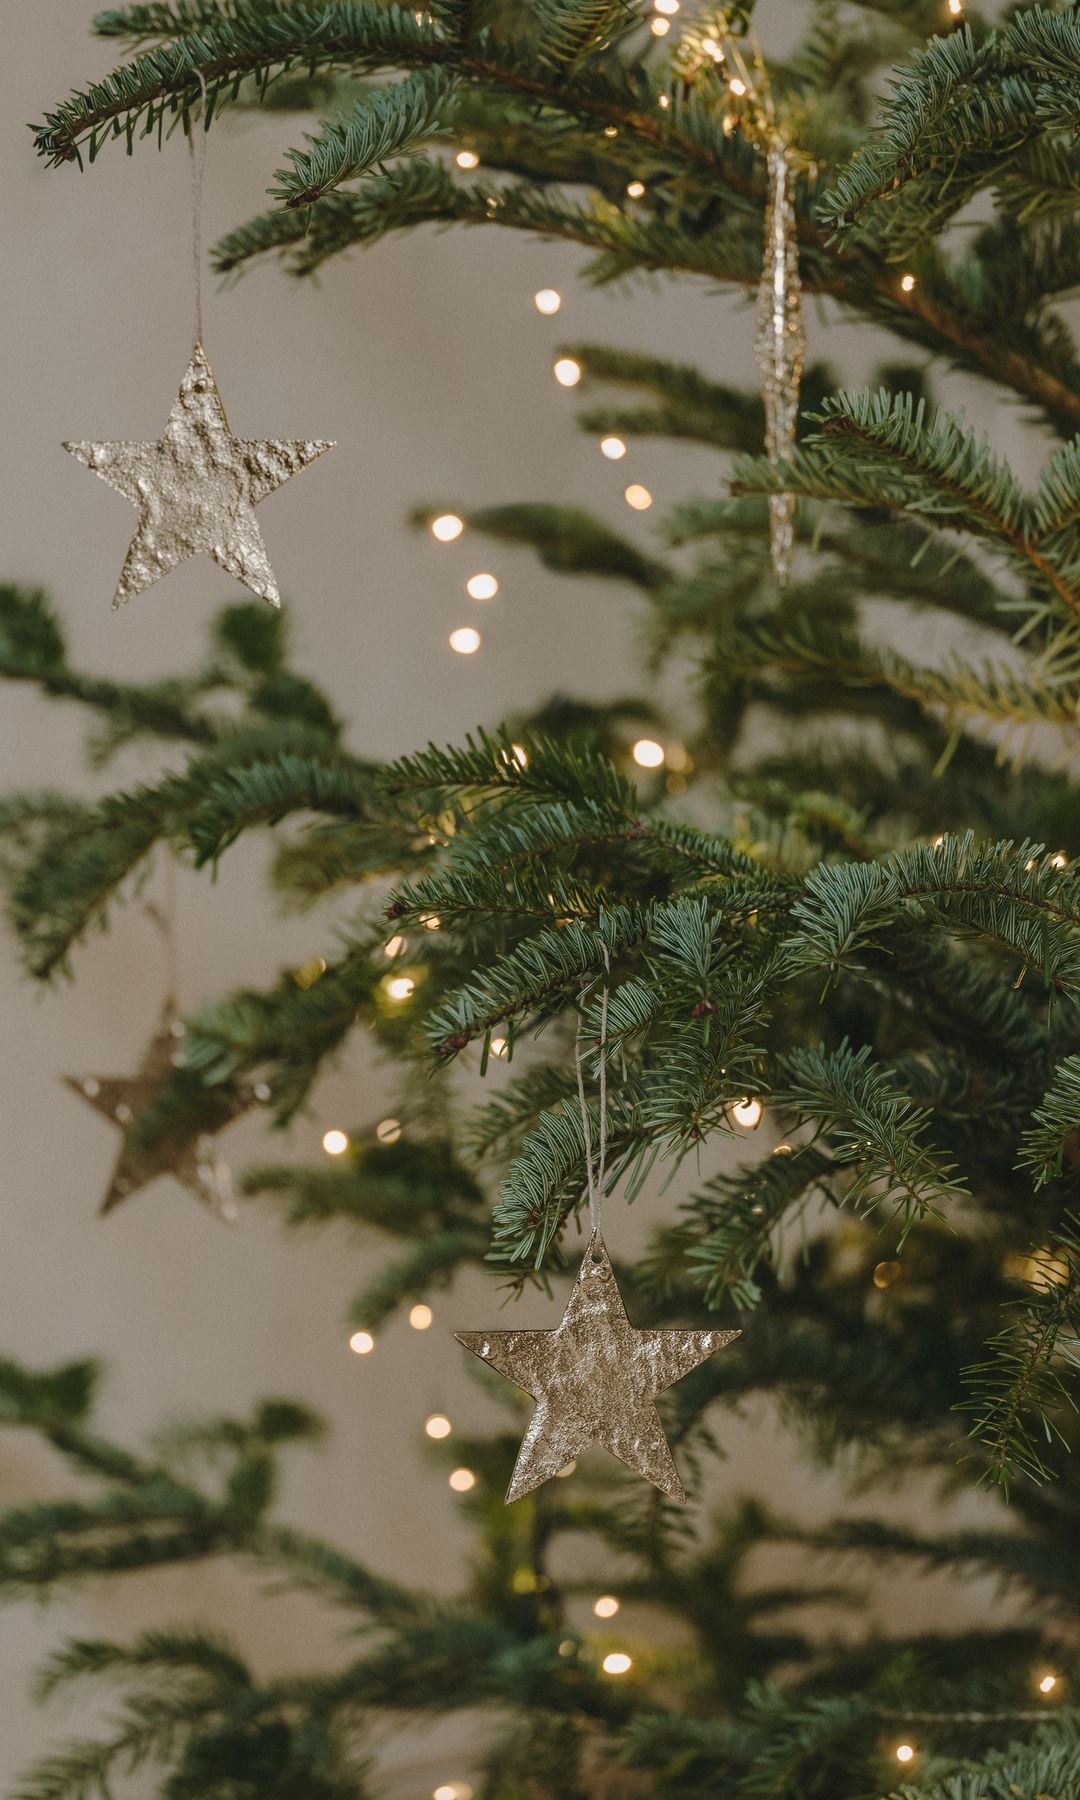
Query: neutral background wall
x,y
428,363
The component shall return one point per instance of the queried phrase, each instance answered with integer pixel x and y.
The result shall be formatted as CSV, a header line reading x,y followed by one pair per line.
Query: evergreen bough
x,y
866,915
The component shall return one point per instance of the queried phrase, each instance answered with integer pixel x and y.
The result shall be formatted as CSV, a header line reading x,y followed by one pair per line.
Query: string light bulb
x,y
388,1131
660,27
461,1480
399,987
547,301
335,1142
638,497
438,1426
482,587
635,189
447,527
1059,860
520,755
907,284
499,1046
713,49
606,1606
616,1662
465,640
1047,1684
737,86
394,948
664,101
421,1317
648,754
467,159
613,448
956,7
453,1790
747,1112
905,1753
362,1343
670,7
567,372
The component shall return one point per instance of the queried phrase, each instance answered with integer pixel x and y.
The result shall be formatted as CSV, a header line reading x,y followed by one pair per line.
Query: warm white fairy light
x,y
713,49
520,755
431,921
438,1426
664,101
467,159
747,1112
335,1143
660,27
905,1753
907,284
421,1317
399,987
635,189
611,131
394,947
567,372
616,1662
465,640
447,527
1059,860
638,497
482,587
499,1046
1047,1684
362,1343
606,1606
547,301
461,1480
670,7
613,448
939,840
737,86
453,1790
956,7
388,1131
648,754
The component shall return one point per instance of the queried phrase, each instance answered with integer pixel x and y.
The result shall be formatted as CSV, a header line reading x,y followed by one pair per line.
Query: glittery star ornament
x,y
595,1380
780,343
197,487
121,1098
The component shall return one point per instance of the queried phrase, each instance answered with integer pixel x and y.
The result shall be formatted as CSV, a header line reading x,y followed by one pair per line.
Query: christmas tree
x,y
842,904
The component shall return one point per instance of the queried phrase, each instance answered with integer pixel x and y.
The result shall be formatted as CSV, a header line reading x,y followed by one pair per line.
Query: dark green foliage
x,y
852,895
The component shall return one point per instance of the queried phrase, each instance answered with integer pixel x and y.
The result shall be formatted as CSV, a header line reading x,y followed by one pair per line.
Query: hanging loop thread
x,y
595,1168
197,152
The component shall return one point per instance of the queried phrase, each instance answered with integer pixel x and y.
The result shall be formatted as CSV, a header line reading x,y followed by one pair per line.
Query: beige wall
x,y
429,365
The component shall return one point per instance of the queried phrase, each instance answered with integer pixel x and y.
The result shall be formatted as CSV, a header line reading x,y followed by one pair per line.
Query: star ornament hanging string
x,y
595,1377
197,486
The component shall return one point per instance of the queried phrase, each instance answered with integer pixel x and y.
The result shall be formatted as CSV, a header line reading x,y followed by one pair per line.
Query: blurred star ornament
x,y
780,342
196,488
595,1380
122,1098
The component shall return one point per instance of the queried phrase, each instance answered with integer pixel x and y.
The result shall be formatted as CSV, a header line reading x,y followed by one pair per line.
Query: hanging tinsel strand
x,y
780,343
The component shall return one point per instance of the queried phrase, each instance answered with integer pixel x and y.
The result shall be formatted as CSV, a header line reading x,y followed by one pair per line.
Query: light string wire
x,y
594,1173
198,169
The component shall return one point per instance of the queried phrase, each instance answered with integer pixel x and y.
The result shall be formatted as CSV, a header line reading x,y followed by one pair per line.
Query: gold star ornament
x,y
595,1380
122,1098
196,488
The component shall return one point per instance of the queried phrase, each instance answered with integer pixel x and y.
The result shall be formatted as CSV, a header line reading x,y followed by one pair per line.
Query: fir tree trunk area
x,y
311,912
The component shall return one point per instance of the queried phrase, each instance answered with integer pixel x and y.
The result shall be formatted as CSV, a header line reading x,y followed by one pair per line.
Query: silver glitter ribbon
x,y
780,344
